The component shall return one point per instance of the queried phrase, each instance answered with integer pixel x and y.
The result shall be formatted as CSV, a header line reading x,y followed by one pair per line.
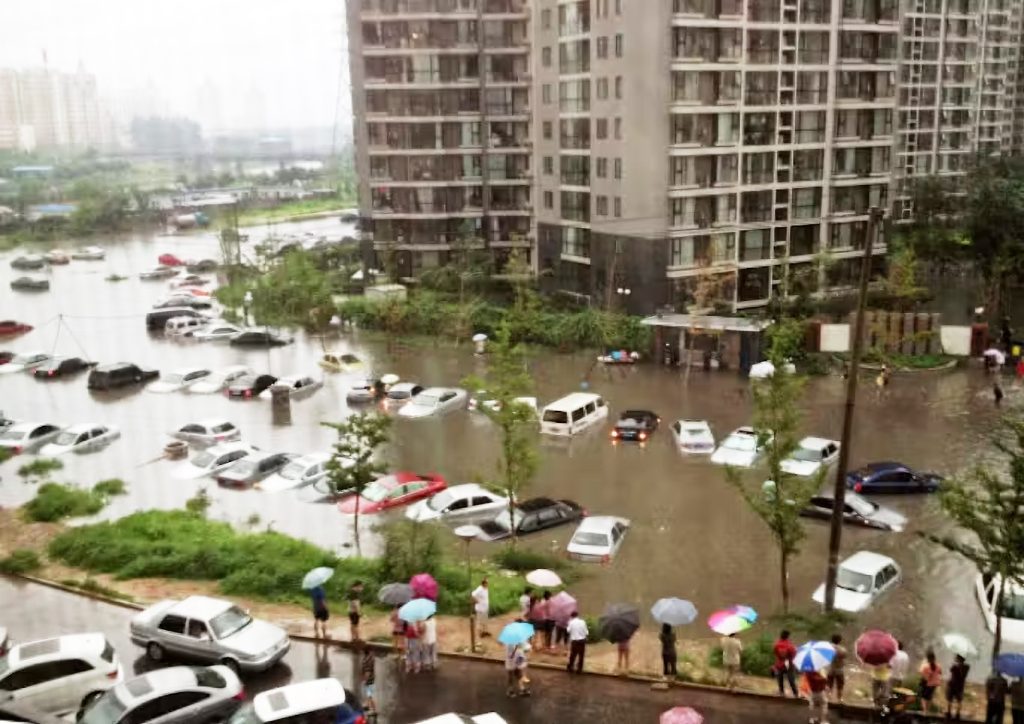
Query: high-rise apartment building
x,y
659,147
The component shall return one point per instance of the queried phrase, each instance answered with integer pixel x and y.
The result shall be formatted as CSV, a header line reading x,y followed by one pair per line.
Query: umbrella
x,y
544,578
673,611
619,622
395,594
1010,664
418,609
424,586
761,370
814,656
317,577
516,633
997,354
390,379
732,620
959,644
681,715
479,337
560,606
875,648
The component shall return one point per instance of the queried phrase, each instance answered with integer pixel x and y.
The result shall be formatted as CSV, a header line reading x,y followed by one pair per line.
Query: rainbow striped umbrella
x,y
732,620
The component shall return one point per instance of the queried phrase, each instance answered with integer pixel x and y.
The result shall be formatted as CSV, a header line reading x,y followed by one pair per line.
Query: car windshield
x,y
631,422
293,471
173,378
242,468
247,381
743,442
203,459
376,492
427,399
588,538
804,453
229,622
852,581
504,521
440,501
66,438
860,505
693,430
106,709
4,666
403,394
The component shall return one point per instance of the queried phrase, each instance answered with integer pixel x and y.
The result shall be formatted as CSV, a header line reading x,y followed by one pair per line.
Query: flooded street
x,y
692,535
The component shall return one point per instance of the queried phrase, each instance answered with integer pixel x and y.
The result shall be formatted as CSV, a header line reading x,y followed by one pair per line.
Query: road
x,y
31,612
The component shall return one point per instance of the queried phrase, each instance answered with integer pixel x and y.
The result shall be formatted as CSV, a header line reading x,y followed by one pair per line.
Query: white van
x,y
573,413
183,326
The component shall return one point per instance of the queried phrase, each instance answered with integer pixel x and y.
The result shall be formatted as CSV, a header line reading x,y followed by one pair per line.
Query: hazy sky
x,y
226,63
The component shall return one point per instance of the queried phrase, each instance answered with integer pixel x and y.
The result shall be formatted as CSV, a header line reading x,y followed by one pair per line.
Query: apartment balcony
x,y
421,79
417,8
869,12
508,78
763,56
709,9
816,12
754,252
426,210
764,12
505,7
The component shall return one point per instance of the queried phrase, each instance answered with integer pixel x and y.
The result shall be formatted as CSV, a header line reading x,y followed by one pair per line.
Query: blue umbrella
x,y
674,611
1010,664
317,577
814,656
516,633
418,609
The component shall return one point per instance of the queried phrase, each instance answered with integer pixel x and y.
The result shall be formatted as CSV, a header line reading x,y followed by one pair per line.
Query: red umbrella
x,y
681,715
560,607
875,648
424,586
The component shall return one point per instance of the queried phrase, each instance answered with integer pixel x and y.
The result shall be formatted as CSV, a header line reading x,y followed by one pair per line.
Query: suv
x,y
157,319
60,675
119,374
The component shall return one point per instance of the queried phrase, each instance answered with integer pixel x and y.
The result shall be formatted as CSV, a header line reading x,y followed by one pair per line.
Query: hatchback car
x,y
89,253
742,449
856,511
298,473
179,694
307,702
28,437
208,432
469,503
693,437
213,459
434,401
862,578
216,332
341,362
635,426
531,516
60,675
259,338
249,386
299,387
392,491
180,379
597,539
219,380
811,455
85,438
254,468
889,477
61,367
209,630
24,362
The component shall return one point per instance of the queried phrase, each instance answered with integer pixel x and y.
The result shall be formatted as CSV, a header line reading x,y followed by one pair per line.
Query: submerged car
x,y
213,459
30,284
1011,611
400,393
434,401
89,253
635,425
259,338
341,362
469,503
61,367
693,437
250,470
364,391
531,516
861,580
28,437
810,456
249,386
392,491
30,262
219,379
180,379
88,437
298,473
208,432
298,387
216,332
890,477
24,362
11,327
159,272
597,539
856,511
742,449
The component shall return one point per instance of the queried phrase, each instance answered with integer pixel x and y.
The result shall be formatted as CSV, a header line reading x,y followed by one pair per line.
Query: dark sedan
x,y
249,387
890,477
532,516
635,425
62,367
856,511
259,338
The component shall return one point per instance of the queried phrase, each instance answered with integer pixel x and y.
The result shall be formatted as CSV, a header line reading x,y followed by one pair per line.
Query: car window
x,y
97,432
193,428
591,408
557,416
530,523
482,500
173,624
232,456
901,477
460,504
164,705
600,402
548,516
313,470
197,629
28,676
68,667
578,414
447,396
616,534
223,427
677,427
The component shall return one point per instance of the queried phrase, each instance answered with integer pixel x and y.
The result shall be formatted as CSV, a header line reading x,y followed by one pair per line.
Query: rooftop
x,y
715,324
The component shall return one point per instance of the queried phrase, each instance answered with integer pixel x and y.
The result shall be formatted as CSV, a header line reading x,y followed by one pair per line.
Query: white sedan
x,y
219,379
435,401
598,538
400,393
24,362
213,459
28,437
861,580
216,332
693,437
85,438
469,503
742,449
208,432
179,380
299,473
298,387
810,456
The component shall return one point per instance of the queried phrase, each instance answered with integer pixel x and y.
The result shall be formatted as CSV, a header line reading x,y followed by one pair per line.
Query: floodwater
x,y
692,536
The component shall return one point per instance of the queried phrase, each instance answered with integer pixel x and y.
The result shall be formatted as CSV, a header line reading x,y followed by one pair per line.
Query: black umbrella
x,y
619,622
395,594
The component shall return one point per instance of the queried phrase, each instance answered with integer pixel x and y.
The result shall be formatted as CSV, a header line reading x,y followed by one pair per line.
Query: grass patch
x,y
116,278
294,208
56,501
523,560
900,361
20,562
110,487
40,468
5,454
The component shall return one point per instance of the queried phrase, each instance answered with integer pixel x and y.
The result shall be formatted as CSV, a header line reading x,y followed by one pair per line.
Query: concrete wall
x,y
956,340
953,339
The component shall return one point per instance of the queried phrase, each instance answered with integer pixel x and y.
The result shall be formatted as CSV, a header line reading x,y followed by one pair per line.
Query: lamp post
x,y
623,294
467,533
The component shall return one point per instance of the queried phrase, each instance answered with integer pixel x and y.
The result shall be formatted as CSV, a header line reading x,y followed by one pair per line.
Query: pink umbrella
x,y
424,586
875,648
681,715
560,606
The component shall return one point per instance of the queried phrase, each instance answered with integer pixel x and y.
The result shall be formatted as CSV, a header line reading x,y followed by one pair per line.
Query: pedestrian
x,y
578,632
397,631
413,649
668,651
1017,700
886,375
549,623
525,601
320,612
1020,369
512,672
522,662
732,652
997,393
355,608
995,698
931,677
622,660
899,664
881,684
429,642
956,684
817,686
561,636
782,669
482,607
369,677
537,614
837,669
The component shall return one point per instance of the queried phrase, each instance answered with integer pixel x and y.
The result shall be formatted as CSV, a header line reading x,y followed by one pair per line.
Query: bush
x,y
110,488
523,560
5,454
54,502
593,630
199,503
20,561
40,468
409,548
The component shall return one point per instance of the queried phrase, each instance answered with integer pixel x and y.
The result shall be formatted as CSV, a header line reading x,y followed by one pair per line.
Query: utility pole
x,y
839,494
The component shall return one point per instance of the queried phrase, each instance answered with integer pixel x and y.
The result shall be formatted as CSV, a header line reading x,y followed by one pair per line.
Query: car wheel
x,y
155,651
231,664
89,699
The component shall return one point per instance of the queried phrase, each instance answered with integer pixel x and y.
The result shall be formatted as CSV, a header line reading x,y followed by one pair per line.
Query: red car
x,y
169,260
392,491
9,328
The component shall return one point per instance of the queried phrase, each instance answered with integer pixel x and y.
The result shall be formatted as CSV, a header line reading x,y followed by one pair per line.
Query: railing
x,y
763,12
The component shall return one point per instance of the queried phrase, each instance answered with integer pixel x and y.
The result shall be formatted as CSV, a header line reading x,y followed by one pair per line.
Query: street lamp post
x,y
467,533
623,294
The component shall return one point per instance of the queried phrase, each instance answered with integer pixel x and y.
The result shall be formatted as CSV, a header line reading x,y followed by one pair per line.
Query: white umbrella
x,y
390,379
996,354
762,370
544,578
959,644
479,337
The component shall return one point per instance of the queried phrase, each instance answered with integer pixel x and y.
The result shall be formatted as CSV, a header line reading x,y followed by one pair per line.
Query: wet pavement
x,y
692,536
31,612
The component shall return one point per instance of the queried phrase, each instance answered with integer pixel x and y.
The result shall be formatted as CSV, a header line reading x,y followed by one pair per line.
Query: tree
x,y
987,505
777,420
507,378
352,466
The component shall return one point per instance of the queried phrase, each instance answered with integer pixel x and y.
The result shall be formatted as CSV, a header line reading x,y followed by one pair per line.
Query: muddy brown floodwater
x,y
691,536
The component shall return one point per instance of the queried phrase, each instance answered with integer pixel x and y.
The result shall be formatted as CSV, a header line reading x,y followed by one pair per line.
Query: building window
x,y
549,200
618,87
545,57
602,47
618,207
602,167
602,128
618,168
545,19
619,42
602,205
602,89
545,93
549,165
547,130
618,7
618,129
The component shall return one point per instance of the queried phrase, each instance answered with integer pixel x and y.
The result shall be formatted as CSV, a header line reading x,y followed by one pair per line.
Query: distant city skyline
x,y
231,65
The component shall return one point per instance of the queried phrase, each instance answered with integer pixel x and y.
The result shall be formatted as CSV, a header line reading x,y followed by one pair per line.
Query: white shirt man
x,y
899,664
578,633
482,605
